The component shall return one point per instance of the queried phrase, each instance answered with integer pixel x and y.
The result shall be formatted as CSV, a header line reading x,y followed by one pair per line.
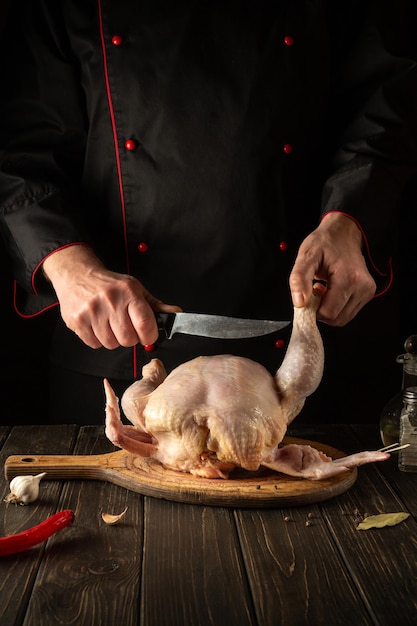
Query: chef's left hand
x,y
333,253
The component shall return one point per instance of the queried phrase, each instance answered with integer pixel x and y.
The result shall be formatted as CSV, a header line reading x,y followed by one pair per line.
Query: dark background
x,y
360,369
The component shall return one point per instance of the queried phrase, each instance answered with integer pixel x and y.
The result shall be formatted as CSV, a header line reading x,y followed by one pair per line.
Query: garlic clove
x,y
24,489
110,519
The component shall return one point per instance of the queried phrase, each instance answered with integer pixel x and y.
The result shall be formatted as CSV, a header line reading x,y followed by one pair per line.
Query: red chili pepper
x,y
37,534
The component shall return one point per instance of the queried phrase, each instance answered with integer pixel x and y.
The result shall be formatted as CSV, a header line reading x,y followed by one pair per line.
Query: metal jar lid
x,y
410,394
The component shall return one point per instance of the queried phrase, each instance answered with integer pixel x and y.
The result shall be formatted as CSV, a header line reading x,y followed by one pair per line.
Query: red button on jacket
x,y
130,144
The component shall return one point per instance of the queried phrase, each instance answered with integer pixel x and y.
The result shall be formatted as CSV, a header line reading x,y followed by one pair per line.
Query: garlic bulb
x,y
24,489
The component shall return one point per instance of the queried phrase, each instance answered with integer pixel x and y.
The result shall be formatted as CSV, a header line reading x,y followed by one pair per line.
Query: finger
x,y
143,320
110,336
167,308
87,336
124,334
159,306
344,300
343,315
81,326
105,335
335,304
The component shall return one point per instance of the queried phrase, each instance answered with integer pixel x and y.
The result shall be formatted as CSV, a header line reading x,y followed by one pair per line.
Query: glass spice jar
x,y
389,423
407,460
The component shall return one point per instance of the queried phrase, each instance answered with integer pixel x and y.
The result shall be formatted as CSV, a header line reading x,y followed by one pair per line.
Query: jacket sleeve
x,y
42,139
374,124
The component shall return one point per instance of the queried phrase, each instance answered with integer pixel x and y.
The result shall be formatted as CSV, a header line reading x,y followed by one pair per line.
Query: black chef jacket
x,y
194,145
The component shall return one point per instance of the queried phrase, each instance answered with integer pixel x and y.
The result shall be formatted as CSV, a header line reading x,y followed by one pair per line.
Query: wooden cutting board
x,y
148,477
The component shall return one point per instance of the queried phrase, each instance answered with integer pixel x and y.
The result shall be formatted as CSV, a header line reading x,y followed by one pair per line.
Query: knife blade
x,y
215,326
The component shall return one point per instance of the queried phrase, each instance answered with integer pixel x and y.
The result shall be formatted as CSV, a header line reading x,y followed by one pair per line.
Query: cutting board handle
x,y
92,466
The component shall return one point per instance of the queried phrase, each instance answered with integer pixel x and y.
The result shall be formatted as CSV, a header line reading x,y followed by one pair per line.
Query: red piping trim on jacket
x,y
135,362
368,252
27,317
116,150
114,129
35,291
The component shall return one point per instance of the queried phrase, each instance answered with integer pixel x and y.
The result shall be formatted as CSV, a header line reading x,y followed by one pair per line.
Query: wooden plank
x,y
192,571
382,562
92,576
296,573
18,572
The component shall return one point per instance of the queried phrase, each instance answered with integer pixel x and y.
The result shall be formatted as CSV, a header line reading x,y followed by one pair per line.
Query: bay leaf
x,y
381,520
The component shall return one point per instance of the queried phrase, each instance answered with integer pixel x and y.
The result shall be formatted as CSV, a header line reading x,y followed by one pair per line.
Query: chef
x,y
210,157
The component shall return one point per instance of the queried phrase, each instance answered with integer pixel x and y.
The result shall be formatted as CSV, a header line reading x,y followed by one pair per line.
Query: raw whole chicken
x,y
215,413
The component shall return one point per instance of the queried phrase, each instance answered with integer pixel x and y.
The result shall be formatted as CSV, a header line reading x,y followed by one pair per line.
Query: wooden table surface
x,y
172,564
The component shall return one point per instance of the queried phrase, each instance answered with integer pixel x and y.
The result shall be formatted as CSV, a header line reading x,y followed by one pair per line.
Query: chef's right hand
x,y
104,308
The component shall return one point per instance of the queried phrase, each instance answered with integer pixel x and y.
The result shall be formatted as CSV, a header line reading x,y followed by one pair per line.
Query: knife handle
x,y
165,323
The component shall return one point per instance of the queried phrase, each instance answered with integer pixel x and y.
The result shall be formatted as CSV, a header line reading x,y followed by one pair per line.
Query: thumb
x,y
301,287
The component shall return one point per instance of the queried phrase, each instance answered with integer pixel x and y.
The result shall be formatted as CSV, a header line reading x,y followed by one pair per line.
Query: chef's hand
x,y
333,253
103,308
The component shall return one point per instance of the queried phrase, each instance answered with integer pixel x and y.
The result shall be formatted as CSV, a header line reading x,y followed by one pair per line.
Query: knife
x,y
215,326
